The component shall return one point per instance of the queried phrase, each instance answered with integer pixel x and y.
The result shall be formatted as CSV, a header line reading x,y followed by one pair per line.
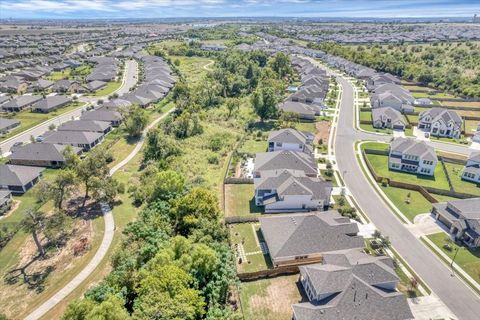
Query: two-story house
x,y
471,171
440,122
387,117
290,140
462,217
412,156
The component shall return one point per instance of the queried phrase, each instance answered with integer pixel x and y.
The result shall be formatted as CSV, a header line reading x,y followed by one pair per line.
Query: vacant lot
x,y
467,259
270,299
240,200
246,239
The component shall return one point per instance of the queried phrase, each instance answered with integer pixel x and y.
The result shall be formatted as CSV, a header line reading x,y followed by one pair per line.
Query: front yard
x,y
455,172
270,299
467,259
111,87
409,202
247,242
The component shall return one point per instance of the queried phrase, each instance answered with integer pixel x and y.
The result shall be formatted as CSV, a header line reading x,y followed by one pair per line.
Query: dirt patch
x,y
278,298
323,131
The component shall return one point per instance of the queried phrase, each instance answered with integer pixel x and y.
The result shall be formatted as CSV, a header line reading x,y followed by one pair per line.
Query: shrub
x,y
384,182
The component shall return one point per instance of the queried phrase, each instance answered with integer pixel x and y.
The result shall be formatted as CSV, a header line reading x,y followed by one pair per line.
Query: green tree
x,y
160,146
92,170
264,102
232,104
62,185
136,122
168,184
281,64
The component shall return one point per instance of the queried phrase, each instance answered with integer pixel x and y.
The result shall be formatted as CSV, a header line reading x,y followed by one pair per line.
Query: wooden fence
x,y
269,273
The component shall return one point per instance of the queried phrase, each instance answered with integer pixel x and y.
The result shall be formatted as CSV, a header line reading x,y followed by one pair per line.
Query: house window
x,y
279,144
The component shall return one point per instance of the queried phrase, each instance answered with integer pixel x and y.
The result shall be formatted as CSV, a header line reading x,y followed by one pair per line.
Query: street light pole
x,y
453,259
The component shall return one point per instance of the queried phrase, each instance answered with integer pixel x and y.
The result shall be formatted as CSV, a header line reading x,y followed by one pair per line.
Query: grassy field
x,y
409,206
108,89
439,95
193,67
246,237
29,119
454,172
270,299
79,73
240,200
467,259
380,165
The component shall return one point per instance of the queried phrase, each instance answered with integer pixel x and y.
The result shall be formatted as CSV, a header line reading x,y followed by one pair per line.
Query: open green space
x,y
409,202
270,299
468,259
240,200
248,236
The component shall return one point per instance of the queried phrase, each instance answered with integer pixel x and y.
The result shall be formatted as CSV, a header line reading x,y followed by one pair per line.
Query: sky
x,y
84,9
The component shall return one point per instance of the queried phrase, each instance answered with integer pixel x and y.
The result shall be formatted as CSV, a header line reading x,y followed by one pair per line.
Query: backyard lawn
x,y
240,201
246,238
417,203
467,259
251,146
306,127
270,299
380,165
454,172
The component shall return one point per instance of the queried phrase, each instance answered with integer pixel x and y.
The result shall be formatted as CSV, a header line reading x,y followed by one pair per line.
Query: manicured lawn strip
x,y
454,172
30,119
251,146
380,165
467,259
108,89
270,299
327,178
370,128
442,198
375,146
365,116
418,204
432,96
240,200
471,125
401,274
306,127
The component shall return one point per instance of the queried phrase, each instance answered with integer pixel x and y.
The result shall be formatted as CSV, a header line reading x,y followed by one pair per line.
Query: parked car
x,y
15,146
40,138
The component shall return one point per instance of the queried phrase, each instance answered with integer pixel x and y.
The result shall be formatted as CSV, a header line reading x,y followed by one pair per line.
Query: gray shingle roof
x,y
285,160
12,175
84,125
40,152
413,147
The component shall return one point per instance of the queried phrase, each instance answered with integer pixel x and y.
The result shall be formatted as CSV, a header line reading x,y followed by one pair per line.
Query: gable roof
x,y
288,136
12,175
41,152
309,233
285,160
413,147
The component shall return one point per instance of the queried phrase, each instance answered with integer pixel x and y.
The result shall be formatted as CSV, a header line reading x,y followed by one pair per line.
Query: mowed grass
x,y
29,119
459,185
415,205
240,200
111,87
251,146
248,236
270,299
468,259
380,165
306,127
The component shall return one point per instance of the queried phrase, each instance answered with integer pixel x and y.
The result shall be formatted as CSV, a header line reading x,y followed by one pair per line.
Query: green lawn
x,y
380,165
29,119
417,203
270,299
251,146
432,96
240,200
365,116
375,146
455,171
442,198
306,127
247,235
108,89
467,259
370,128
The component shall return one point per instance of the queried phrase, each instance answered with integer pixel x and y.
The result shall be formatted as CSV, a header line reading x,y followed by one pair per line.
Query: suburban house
x,y
41,85
291,160
412,156
462,217
114,117
80,139
304,111
18,179
387,117
115,105
5,201
291,191
290,140
20,103
86,125
51,103
440,122
471,171
350,284
380,78
40,155
302,238
8,124
95,85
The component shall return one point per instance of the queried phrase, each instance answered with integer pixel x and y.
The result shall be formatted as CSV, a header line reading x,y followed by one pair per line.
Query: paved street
x,y
129,80
452,291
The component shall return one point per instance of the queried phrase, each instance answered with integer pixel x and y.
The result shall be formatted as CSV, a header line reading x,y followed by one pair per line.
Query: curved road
x,y
451,290
129,81
106,241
